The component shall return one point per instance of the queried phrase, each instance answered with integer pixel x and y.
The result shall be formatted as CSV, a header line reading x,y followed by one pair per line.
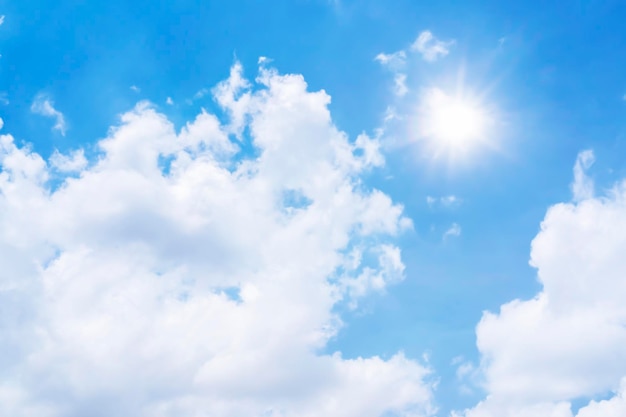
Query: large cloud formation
x,y
569,342
184,274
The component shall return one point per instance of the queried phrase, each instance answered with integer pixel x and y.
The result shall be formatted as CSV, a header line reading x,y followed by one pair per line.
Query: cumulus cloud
x,y
615,407
43,106
171,276
568,341
430,47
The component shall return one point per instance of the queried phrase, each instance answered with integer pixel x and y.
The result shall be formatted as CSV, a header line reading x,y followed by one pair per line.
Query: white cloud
x,y
568,341
74,162
582,187
445,201
430,47
395,61
168,277
2,20
45,107
450,200
426,44
201,93
615,407
453,231
169,101
135,88
400,88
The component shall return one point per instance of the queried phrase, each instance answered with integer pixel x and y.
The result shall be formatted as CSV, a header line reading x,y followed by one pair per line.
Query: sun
x,y
454,123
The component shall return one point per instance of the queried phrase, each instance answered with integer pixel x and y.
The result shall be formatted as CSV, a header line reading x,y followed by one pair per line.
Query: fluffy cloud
x,y
179,276
42,105
615,407
567,342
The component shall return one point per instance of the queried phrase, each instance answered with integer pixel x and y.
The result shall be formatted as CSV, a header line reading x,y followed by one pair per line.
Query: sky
x,y
298,208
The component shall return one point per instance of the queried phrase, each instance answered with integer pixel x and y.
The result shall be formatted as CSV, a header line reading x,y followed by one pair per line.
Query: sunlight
x,y
454,123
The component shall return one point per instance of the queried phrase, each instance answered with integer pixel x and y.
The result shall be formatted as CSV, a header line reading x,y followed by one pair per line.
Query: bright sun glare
x,y
452,122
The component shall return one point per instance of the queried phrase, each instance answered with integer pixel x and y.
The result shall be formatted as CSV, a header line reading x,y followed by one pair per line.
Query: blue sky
x,y
113,165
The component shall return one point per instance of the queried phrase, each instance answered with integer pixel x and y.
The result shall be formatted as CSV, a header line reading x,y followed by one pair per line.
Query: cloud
x,y
395,61
172,277
426,44
568,341
430,47
400,88
201,93
135,88
453,231
2,20
582,187
45,107
169,101
74,162
445,201
614,407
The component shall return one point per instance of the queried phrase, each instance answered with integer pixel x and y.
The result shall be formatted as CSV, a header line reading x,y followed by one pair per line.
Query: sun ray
x,y
453,124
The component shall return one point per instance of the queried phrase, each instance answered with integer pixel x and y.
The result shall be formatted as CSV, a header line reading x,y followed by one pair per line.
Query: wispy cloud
x,y
73,162
430,47
135,88
445,201
426,44
43,106
400,89
2,20
582,187
396,63
201,93
453,231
